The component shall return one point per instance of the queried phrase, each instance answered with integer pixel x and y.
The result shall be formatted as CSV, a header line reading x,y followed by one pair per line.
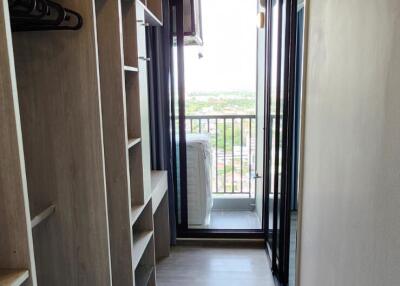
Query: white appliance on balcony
x,y
199,189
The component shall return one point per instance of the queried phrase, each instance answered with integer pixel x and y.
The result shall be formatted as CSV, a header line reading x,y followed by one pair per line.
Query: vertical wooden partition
x,y
58,87
112,79
16,251
123,78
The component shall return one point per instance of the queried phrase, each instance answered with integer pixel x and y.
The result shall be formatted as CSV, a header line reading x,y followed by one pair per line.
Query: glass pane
x,y
273,112
220,83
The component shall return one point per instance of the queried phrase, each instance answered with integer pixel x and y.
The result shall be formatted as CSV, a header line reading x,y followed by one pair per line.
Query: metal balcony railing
x,y
233,143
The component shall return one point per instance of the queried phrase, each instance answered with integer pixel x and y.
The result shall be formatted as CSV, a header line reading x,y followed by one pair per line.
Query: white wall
x,y
351,191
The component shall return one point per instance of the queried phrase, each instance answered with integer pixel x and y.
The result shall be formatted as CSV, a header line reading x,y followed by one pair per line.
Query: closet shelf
x,y
13,277
43,215
131,69
143,274
149,16
135,212
132,142
140,241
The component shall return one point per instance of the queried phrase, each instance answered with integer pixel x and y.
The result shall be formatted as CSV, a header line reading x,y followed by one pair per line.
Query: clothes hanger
x,y
54,15
41,15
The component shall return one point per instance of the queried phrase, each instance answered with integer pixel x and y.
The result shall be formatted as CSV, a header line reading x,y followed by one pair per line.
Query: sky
x,y
229,50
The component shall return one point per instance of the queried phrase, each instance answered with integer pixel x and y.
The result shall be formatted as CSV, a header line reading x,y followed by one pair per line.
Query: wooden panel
x,y
16,249
133,105
58,85
150,19
161,229
112,84
159,186
10,277
144,101
136,175
129,32
155,7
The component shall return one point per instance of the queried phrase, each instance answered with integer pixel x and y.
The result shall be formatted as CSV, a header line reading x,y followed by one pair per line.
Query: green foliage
x,y
220,103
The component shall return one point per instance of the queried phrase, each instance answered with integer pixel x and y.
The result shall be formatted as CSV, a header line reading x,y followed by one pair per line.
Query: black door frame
x,y
181,201
280,268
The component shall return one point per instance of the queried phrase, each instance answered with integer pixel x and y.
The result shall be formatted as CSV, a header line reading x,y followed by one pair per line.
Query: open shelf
x,y
136,175
152,12
135,212
45,214
140,241
142,231
12,277
131,69
143,274
132,142
133,111
128,10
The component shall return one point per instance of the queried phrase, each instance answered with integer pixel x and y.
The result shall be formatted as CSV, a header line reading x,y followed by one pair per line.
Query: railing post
x,y
200,125
216,155
233,155
249,158
241,155
224,155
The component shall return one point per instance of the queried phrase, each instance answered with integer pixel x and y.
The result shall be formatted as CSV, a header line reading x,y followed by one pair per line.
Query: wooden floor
x,y
215,266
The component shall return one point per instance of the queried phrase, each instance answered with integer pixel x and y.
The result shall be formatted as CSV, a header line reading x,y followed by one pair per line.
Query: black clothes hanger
x,y
42,15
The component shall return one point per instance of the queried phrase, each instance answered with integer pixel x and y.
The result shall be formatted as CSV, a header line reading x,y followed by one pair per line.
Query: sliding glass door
x,y
216,129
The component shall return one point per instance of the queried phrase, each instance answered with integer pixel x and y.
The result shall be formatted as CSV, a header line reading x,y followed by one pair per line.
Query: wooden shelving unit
x,y
76,190
122,41
11,277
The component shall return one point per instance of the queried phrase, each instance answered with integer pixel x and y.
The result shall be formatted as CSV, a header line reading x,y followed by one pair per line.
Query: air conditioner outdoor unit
x,y
192,23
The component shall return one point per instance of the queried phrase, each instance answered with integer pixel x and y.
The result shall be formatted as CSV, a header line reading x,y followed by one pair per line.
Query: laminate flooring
x,y
215,266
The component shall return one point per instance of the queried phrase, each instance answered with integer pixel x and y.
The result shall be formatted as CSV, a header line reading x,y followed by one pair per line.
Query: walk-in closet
x,y
79,203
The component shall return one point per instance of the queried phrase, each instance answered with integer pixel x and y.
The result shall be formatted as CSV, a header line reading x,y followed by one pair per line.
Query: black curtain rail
x,y
42,15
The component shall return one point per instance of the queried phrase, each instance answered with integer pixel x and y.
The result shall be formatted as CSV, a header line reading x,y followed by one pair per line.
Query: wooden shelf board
x,y
140,241
131,69
143,274
13,277
159,186
132,142
150,17
136,210
43,215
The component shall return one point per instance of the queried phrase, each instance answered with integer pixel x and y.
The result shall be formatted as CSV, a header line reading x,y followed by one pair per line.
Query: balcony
x,y
233,145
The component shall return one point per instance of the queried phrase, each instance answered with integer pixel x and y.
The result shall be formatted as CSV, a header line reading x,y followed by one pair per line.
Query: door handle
x,y
257,176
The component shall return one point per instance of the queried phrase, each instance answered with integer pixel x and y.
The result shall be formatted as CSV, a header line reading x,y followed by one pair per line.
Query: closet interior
x,y
79,203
